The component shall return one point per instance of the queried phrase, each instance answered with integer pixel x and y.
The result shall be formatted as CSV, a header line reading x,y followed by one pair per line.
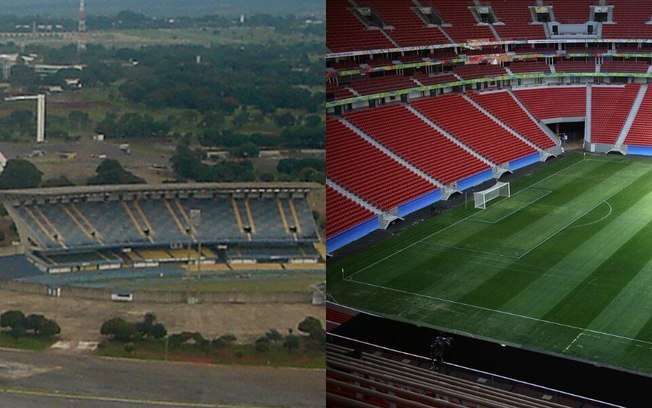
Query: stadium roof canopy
x,y
156,189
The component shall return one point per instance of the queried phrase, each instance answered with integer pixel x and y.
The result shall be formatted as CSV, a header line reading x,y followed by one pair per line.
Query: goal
x,y
481,198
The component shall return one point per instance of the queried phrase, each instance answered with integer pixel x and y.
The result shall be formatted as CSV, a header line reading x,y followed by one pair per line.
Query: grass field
x,y
563,265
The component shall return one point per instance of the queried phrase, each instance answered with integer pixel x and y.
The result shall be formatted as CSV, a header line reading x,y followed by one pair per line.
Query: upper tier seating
x,y
538,49
345,32
357,165
409,30
572,11
503,106
464,26
344,64
640,133
630,17
574,66
610,107
520,67
554,102
334,91
434,79
474,128
342,213
518,20
591,48
413,139
624,66
379,62
374,85
479,71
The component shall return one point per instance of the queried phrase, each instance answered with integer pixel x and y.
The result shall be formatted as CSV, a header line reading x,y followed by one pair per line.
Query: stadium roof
x,y
112,190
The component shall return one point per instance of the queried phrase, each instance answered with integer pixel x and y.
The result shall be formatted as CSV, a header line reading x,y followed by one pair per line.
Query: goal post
x,y
481,198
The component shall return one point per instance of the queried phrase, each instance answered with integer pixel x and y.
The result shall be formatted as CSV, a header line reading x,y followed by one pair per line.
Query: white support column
x,y
40,120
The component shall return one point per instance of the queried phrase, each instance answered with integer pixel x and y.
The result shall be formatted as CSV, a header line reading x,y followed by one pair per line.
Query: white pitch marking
x,y
452,225
572,342
454,302
596,221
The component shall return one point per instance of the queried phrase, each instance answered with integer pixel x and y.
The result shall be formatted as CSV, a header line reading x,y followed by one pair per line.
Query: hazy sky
x,y
162,8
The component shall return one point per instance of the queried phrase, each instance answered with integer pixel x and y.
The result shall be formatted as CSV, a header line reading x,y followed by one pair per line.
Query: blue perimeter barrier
x,y
418,203
352,234
523,161
639,150
475,179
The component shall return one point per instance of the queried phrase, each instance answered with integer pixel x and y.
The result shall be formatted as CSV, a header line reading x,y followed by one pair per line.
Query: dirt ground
x,y
80,319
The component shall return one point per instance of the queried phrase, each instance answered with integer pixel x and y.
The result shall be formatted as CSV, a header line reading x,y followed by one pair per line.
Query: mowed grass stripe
x,y
368,257
563,265
634,303
587,300
518,275
523,229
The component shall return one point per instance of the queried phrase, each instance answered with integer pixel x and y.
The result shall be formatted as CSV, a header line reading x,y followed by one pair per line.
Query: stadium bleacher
x,y
520,67
503,106
463,25
347,33
408,29
574,66
456,53
640,134
343,213
357,165
630,17
355,378
62,229
404,133
473,128
374,85
609,110
517,20
554,102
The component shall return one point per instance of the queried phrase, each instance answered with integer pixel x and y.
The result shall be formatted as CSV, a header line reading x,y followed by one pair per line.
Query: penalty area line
x,y
455,223
502,312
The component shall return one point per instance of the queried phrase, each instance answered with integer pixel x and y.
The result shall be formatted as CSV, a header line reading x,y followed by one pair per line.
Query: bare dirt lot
x,y
80,320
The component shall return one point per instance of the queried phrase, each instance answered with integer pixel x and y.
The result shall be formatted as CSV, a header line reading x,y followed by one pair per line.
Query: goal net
x,y
481,198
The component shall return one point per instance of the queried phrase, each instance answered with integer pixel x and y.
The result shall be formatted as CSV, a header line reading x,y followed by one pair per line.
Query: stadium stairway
x,y
527,141
353,197
543,127
589,115
496,169
630,119
391,154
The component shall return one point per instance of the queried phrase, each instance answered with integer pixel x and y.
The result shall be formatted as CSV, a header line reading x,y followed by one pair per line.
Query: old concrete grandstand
x,y
113,227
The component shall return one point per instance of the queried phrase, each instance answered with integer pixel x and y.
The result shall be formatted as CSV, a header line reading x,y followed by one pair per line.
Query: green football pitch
x,y
564,265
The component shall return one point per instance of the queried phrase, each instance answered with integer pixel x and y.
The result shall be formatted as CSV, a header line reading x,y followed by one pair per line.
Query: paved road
x,y
31,380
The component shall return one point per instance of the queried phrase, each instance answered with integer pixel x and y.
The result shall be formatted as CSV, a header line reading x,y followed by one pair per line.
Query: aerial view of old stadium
x,y
162,203
489,188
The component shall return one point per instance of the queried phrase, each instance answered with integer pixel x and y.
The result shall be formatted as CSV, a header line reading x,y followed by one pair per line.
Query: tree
x,y
19,173
223,340
110,171
291,342
119,329
150,329
274,336
262,345
13,319
311,326
35,322
49,328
